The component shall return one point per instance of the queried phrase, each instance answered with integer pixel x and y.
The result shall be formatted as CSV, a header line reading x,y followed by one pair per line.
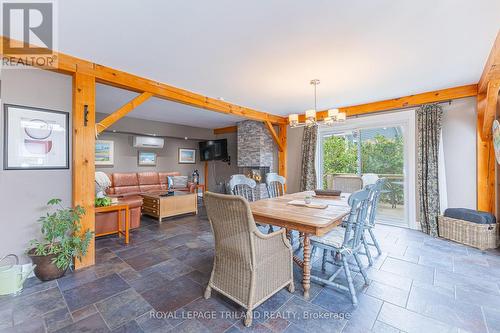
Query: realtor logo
x,y
28,28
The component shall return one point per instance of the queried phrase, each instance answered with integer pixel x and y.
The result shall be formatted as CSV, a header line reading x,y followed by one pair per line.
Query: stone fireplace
x,y
255,153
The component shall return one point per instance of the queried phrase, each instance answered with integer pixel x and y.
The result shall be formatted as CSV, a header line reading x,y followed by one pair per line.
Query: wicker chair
x,y
347,184
344,243
244,186
249,266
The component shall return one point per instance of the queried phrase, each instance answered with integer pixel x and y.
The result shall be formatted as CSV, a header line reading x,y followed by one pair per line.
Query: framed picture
x,y
104,152
35,138
146,158
187,156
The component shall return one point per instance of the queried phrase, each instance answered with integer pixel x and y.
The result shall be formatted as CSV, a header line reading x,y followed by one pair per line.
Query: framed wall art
x,y
35,138
104,152
146,158
187,156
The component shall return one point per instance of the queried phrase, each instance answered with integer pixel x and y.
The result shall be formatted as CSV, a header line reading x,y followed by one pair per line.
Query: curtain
x,y
308,173
428,139
443,188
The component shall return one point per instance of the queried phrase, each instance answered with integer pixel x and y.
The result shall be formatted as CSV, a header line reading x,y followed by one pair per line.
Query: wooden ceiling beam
x,y
67,64
122,112
404,102
491,69
275,136
224,130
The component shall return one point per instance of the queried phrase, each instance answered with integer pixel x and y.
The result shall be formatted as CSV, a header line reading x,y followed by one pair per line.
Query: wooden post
x,y
205,175
485,174
83,156
282,170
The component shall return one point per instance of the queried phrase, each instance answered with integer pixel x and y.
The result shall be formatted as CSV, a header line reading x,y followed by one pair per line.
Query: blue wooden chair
x,y
244,186
345,243
375,191
275,185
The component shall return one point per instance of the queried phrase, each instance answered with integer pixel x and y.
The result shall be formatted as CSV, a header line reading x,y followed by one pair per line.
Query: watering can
x,y
12,277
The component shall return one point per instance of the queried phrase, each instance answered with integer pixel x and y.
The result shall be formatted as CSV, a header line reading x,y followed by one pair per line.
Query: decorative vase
x,y
45,269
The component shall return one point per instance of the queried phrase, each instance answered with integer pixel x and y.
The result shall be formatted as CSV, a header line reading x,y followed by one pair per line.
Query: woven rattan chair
x,y
347,184
249,266
344,243
242,185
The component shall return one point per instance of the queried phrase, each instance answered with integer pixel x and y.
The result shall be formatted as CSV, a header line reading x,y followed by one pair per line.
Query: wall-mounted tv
x,y
213,150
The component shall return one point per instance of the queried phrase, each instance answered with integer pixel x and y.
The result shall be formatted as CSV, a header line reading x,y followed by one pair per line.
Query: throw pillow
x,y
180,181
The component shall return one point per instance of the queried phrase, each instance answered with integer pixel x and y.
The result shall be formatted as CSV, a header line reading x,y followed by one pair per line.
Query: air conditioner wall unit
x,y
148,142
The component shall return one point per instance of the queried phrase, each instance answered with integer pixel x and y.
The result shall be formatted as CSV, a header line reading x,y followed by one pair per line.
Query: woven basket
x,y
481,236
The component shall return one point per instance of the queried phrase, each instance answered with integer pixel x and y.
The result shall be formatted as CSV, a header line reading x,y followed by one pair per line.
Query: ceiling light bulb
x,y
341,116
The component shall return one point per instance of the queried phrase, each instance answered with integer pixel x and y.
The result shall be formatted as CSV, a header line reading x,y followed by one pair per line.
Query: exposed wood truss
x,y
83,155
404,102
487,111
224,130
274,135
68,65
123,111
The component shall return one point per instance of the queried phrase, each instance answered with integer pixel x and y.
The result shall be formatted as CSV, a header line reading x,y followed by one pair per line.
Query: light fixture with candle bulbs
x,y
333,117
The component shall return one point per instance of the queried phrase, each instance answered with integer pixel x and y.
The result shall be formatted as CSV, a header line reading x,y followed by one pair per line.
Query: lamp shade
x,y
333,113
293,118
310,114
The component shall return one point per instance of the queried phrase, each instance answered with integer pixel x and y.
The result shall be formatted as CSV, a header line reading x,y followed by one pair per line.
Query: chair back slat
x,y
275,185
376,191
356,218
243,186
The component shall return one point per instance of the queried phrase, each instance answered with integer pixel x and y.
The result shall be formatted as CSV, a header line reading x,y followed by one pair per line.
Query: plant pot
x,y
45,269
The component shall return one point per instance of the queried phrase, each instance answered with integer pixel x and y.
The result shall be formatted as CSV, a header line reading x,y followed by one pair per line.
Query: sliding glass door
x,y
373,147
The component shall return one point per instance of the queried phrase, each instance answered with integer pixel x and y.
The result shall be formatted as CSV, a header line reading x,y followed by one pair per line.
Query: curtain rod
x,y
398,109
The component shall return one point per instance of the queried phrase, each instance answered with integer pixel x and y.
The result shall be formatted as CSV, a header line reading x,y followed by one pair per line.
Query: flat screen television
x,y
213,150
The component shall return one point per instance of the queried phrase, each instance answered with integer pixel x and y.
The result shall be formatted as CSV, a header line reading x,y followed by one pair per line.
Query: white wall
x,y
459,140
24,193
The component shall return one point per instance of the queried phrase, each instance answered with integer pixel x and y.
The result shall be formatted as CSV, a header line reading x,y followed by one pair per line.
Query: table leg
x,y
306,277
119,212
127,225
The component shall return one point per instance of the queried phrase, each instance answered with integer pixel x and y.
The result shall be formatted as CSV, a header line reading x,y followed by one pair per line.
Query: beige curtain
x,y
308,174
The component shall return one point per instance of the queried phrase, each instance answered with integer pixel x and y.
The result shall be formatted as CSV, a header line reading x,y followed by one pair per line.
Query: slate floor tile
x,y
439,306
466,282
76,278
121,308
408,269
33,305
93,323
130,327
492,317
142,261
31,326
153,324
388,293
380,327
409,321
173,295
390,279
471,296
94,291
84,312
57,319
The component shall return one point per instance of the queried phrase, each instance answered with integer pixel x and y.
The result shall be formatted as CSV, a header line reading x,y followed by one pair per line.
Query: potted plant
x,y
103,201
63,240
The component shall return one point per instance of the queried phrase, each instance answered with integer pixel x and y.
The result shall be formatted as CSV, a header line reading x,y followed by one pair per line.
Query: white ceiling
x,y
262,53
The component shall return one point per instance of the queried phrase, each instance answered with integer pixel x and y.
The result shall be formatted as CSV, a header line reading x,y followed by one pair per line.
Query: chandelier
x,y
333,117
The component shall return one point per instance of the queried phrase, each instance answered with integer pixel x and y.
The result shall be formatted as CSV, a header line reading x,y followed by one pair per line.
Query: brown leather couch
x,y
127,187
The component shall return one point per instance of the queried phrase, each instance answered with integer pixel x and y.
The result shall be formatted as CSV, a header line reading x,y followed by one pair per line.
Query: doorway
x,y
373,147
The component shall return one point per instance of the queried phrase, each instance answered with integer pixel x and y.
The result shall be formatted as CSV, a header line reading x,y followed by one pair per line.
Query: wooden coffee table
x,y
159,205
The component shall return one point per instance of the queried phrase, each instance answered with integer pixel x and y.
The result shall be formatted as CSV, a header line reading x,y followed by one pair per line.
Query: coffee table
x,y
160,205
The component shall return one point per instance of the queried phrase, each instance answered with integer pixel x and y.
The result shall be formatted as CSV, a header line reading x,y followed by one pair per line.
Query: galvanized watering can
x,y
13,276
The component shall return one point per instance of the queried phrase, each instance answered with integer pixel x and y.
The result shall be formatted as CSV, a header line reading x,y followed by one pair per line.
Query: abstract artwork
x,y
35,138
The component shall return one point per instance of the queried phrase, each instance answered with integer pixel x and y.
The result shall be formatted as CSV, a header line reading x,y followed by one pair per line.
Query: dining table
x,y
321,216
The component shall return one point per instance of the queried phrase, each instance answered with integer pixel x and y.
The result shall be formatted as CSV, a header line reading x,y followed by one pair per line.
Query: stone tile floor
x,y
419,284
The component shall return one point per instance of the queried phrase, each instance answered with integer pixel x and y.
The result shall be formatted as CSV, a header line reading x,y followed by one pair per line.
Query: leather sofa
x,y
128,187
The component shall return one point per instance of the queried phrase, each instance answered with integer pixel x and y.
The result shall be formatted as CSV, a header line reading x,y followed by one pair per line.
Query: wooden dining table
x,y
308,221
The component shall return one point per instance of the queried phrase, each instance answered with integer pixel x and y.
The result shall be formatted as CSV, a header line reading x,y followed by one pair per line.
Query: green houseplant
x,y
63,240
